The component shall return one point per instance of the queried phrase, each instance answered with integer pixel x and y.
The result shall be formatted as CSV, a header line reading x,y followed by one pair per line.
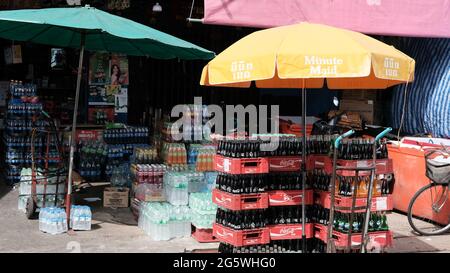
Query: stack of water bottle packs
x,y
203,210
176,188
163,221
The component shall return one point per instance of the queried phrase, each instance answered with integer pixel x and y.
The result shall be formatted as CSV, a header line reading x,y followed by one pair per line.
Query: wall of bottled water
x,y
52,220
163,221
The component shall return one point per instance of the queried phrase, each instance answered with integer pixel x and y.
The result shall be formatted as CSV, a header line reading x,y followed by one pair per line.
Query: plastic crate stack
x,y
259,195
354,152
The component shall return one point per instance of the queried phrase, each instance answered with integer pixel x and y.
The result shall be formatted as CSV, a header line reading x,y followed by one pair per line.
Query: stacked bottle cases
x,y
259,194
23,111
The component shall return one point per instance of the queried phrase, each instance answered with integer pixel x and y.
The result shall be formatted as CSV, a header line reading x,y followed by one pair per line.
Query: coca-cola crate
x,y
285,163
290,231
240,201
203,235
241,165
259,236
343,204
383,166
290,198
377,239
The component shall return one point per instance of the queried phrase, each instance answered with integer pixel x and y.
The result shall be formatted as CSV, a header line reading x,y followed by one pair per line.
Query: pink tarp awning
x,y
425,18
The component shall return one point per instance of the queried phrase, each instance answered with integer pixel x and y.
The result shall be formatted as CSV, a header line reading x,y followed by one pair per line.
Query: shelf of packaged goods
x,y
377,239
240,201
203,235
383,166
241,165
344,204
259,236
290,197
290,231
285,163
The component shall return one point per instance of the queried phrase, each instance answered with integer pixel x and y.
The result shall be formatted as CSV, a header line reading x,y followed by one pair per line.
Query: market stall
x,y
306,56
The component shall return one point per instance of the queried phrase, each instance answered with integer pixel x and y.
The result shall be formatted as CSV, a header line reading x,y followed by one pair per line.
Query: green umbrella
x,y
91,29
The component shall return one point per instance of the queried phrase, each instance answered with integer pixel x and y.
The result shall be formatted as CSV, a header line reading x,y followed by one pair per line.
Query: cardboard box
x,y
116,197
370,111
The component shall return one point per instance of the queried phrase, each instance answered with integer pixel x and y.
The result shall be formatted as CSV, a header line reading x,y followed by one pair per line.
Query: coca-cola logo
x,y
224,233
291,231
223,199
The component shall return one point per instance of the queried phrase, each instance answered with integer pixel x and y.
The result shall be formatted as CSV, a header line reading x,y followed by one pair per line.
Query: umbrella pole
x,y
74,127
303,168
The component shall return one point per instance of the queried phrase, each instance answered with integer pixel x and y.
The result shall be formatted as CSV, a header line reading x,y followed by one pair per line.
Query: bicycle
x,y
436,221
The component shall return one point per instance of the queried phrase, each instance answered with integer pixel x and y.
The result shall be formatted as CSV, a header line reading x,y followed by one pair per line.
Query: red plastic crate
x,y
233,237
290,198
240,201
203,235
285,163
379,239
380,203
241,165
291,231
383,166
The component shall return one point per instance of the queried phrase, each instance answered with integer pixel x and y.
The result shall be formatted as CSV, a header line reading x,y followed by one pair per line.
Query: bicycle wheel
x,y
429,210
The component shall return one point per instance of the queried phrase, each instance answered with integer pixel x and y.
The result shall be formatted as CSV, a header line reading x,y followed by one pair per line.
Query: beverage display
x,y
174,153
52,220
176,188
203,209
202,157
345,185
145,155
240,220
128,135
163,221
80,218
377,220
242,184
279,246
287,215
319,179
361,149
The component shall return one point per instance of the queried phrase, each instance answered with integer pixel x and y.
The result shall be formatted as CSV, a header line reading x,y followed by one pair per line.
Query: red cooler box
x,y
409,173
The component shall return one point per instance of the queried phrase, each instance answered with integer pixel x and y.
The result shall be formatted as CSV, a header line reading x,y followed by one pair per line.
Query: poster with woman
x,y
119,69
99,69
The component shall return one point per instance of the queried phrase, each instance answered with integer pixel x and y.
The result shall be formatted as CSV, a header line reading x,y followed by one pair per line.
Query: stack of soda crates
x,y
259,194
352,153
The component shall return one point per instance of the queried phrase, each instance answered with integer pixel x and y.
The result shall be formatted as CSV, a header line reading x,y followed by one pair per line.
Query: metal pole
x,y
303,168
332,196
74,126
369,199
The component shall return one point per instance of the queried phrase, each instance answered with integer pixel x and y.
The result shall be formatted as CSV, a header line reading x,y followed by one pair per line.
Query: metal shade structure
x,y
91,29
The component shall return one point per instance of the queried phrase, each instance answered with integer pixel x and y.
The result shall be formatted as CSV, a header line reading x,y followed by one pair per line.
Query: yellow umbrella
x,y
305,56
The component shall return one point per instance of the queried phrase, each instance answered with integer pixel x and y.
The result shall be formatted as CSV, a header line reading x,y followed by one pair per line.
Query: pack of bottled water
x,y
52,220
80,218
210,179
203,210
163,221
196,181
176,188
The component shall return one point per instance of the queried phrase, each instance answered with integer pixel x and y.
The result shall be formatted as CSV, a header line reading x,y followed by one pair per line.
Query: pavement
x,y
115,230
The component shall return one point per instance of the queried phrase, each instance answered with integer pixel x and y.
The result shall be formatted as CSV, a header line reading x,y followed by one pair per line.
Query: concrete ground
x,y
115,230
